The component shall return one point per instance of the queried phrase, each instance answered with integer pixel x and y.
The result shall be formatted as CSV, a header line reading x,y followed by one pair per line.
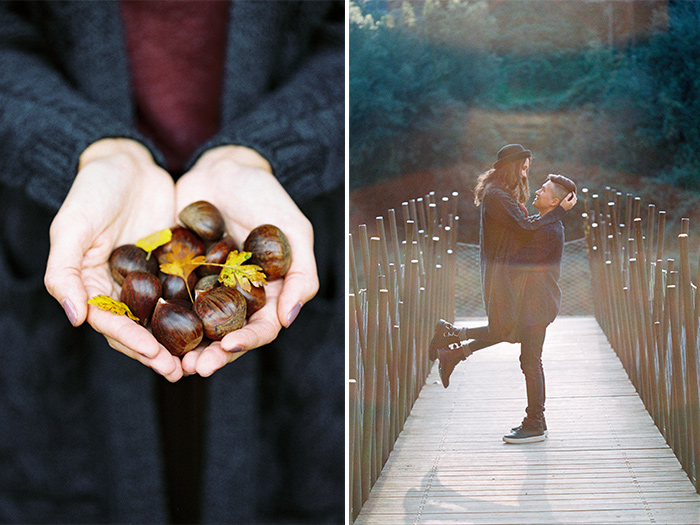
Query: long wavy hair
x,y
508,178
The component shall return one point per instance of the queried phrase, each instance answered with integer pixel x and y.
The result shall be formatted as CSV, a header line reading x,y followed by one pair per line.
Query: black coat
x,y
505,230
538,266
79,434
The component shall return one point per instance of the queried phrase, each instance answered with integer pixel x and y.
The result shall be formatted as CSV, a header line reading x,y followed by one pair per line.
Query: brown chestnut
x,y
217,254
254,299
204,219
180,236
222,310
140,292
129,258
176,327
206,283
174,287
270,250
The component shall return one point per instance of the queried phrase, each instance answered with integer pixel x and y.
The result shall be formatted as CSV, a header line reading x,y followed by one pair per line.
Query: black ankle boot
x,y
445,334
449,357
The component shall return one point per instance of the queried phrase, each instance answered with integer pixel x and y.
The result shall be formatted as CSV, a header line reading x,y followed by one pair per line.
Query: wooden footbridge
x,y
622,387
604,460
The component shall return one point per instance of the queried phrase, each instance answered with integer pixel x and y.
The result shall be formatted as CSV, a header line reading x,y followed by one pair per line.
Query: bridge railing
x,y
648,306
401,282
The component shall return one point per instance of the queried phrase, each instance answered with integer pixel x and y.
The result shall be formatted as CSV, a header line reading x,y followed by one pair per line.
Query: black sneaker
x,y
544,423
445,334
526,434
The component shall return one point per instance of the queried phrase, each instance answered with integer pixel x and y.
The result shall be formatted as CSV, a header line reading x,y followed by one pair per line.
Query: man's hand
x,y
240,184
119,196
569,201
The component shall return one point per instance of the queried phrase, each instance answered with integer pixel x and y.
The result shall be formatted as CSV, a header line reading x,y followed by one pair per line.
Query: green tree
x,y
655,99
411,78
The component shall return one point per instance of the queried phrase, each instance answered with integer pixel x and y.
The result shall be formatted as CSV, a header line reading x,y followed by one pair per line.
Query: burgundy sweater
x,y
176,56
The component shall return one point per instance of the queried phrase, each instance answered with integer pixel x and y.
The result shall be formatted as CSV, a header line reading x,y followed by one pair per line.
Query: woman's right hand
x,y
119,196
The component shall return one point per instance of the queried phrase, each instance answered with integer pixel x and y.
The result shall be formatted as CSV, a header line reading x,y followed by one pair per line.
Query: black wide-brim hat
x,y
510,153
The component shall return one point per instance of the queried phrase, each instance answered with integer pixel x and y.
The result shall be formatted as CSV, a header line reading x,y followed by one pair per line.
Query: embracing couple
x,y
520,259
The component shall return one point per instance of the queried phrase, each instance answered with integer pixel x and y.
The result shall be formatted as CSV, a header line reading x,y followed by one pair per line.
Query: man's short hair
x,y
563,185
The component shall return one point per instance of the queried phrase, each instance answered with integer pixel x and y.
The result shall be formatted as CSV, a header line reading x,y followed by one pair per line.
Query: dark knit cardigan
x,y
78,434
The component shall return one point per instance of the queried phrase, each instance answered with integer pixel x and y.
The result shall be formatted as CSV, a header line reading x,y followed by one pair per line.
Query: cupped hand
x,y
119,196
240,184
569,201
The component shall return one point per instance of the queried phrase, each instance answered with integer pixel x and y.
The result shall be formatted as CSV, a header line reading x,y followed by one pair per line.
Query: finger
x,y
63,270
126,332
164,363
189,361
300,283
262,328
214,358
298,288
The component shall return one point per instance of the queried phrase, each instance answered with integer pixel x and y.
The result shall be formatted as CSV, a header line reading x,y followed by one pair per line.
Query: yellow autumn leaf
x,y
235,271
111,305
155,240
181,261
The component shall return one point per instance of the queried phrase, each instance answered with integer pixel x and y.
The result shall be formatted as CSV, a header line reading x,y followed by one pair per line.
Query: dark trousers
x,y
532,339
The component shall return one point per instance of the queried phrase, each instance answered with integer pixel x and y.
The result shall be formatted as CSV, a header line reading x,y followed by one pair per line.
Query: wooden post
x,y
397,289
691,447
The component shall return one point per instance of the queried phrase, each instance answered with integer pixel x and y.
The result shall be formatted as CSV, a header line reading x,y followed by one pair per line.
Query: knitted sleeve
x,y
298,124
544,247
45,121
502,208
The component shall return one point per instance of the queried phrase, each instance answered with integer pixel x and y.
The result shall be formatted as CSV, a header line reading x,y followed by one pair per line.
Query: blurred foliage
x,y
654,97
411,85
417,70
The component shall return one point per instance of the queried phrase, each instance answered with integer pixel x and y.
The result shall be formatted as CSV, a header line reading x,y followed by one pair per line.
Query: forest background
x,y
605,92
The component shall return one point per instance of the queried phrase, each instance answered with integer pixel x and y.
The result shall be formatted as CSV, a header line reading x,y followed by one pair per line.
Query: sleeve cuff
x,y
51,162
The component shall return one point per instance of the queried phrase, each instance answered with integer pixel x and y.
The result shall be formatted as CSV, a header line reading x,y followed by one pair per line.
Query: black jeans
x,y
532,339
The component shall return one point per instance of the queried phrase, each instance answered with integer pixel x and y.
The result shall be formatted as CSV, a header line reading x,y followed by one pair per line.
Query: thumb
x,y
298,289
63,272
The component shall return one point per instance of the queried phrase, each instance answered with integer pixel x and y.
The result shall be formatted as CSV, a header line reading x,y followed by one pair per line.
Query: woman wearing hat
x,y
505,231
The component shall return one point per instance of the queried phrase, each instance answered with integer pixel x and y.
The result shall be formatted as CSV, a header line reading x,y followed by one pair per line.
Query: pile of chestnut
x,y
164,302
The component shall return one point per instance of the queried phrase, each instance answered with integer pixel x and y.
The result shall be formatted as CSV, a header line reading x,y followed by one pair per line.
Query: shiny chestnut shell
x,y
174,287
176,327
130,258
140,292
222,310
206,283
217,253
270,250
204,219
254,299
183,236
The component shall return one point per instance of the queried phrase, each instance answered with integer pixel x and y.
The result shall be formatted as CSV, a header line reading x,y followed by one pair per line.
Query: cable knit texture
x,y
78,420
64,83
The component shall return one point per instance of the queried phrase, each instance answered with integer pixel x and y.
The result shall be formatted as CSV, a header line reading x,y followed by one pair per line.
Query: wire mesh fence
x,y
575,281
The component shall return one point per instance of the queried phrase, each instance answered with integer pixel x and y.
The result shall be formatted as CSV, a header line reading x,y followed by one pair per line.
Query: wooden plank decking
x,y
603,462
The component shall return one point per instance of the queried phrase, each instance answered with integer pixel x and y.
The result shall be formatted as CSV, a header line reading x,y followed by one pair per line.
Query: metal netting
x,y
575,281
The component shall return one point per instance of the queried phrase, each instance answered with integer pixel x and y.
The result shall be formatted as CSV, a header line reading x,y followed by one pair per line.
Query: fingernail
x,y
71,313
235,349
293,314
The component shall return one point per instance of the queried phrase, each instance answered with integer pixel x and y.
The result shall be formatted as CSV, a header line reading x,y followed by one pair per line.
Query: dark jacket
x,y
538,265
505,230
79,436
